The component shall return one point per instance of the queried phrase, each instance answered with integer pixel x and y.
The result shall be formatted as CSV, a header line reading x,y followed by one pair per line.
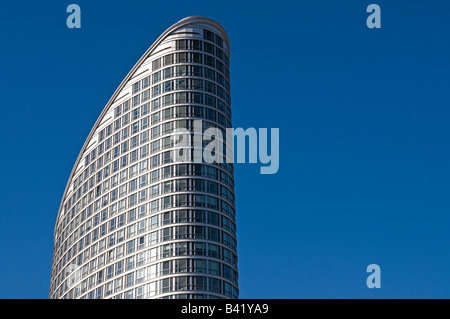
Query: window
x,y
229,290
156,64
134,154
168,73
145,82
130,247
136,87
156,77
154,222
121,220
213,251
180,84
181,283
155,132
199,266
144,123
214,285
129,280
154,206
166,285
131,215
126,106
153,237
181,111
155,191
196,98
168,86
132,200
196,70
166,187
136,114
168,59
209,74
167,142
199,232
144,151
112,224
141,241
124,147
208,35
213,234
100,277
117,124
125,120
133,170
181,44
199,283
136,100
168,99
133,185
156,90
180,70
135,127
108,130
154,161
124,161
214,268
144,137
155,118
167,202
142,210
143,181
139,276
182,57
219,41
120,238
196,57
182,232
108,144
118,284
219,54
208,48
166,234
196,45
122,190
228,273
116,138
181,249
155,146
210,87
210,61
144,109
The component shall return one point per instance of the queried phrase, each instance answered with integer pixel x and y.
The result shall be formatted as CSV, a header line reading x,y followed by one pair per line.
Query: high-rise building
x,y
134,222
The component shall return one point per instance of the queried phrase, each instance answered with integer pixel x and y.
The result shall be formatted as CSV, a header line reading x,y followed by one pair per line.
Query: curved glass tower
x,y
134,222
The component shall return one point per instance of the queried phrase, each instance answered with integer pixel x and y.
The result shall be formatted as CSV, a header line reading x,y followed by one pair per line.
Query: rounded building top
x,y
190,20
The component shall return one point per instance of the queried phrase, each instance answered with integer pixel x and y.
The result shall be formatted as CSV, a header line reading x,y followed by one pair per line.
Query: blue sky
x,y
364,136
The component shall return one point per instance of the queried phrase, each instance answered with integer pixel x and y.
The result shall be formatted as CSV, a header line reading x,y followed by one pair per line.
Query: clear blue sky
x,y
364,118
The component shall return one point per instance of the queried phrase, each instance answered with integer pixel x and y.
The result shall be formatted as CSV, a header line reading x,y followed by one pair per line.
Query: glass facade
x,y
133,222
